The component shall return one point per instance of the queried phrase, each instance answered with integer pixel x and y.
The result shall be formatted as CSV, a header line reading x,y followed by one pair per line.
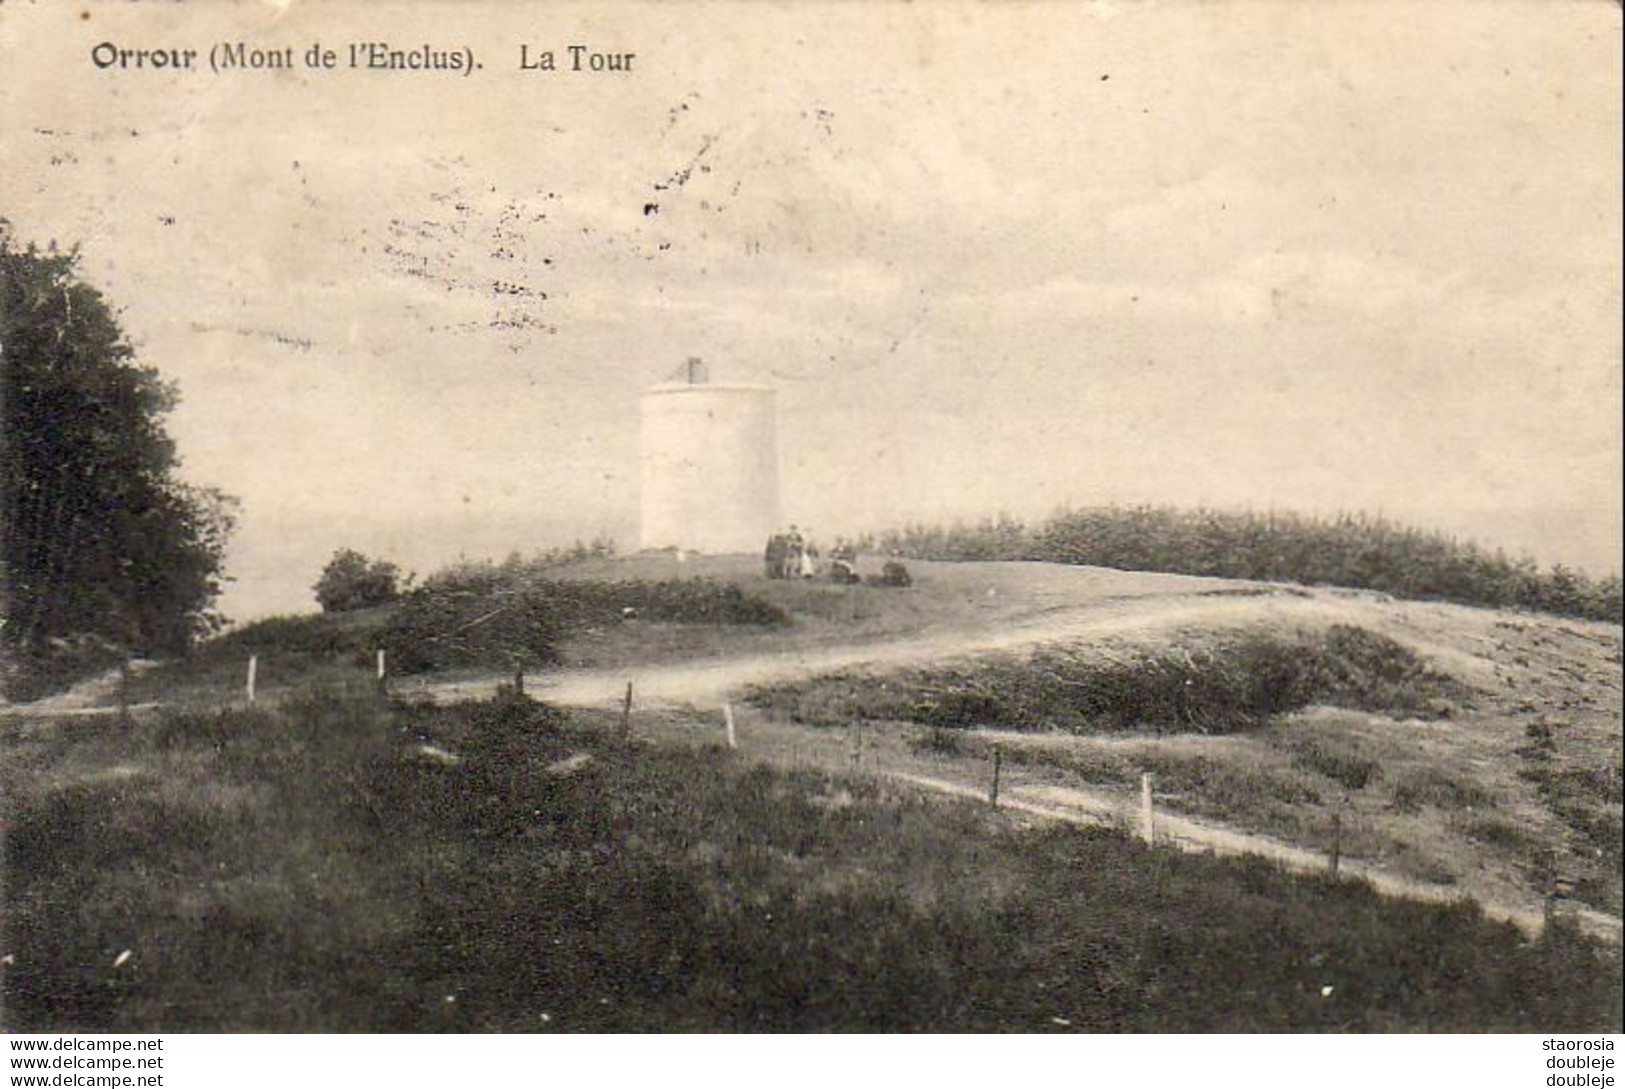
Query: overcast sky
x,y
1310,256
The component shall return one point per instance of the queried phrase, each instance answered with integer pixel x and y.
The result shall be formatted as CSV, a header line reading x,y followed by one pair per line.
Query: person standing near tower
x,y
795,552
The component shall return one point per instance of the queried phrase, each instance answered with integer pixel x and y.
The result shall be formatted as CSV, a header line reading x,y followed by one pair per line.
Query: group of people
x,y
791,556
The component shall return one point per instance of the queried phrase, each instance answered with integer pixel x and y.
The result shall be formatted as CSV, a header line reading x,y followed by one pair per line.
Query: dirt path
x,y
96,695
711,681
1456,638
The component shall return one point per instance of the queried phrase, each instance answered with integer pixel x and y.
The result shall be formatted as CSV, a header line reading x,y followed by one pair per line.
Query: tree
x,y
352,581
98,536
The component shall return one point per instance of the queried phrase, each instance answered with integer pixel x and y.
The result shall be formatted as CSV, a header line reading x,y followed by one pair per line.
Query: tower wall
x,y
710,472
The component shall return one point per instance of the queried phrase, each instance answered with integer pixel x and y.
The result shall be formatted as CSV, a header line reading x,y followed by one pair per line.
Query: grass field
x,y
348,864
947,599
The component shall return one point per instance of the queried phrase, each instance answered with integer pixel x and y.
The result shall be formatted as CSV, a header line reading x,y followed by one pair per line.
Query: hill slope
x,y
1516,789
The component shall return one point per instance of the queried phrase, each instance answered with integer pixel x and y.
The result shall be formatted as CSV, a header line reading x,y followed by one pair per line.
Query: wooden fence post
x,y
993,789
1337,842
728,723
1548,891
124,690
382,676
253,668
626,713
519,679
1147,821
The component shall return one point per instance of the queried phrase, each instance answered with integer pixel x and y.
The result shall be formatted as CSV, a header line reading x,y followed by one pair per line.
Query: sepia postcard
x,y
799,516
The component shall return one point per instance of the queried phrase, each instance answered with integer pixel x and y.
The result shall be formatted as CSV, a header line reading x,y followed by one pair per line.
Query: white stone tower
x,y
710,465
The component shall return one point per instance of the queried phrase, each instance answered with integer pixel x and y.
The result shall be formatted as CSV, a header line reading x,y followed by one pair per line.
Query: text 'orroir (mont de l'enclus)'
x,y
359,56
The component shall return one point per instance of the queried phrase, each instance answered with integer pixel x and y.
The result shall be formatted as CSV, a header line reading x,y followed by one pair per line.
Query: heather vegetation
x,y
1222,685
512,614
1350,550
332,864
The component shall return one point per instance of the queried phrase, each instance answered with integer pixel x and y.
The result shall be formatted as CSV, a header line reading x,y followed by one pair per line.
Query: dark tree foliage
x,y
351,581
97,535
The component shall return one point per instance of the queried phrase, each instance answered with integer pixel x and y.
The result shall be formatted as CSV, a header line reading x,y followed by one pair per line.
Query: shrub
x,y
438,628
1371,671
939,742
1234,685
315,635
1350,550
479,614
1498,832
1430,786
352,581
894,574
1337,760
